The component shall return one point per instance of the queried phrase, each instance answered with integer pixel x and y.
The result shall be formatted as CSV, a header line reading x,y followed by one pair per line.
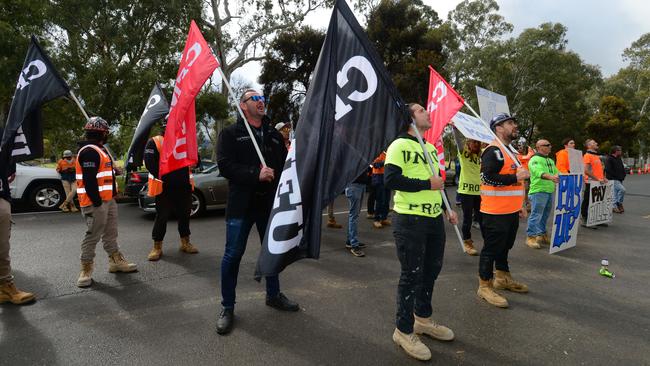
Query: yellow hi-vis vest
x,y
155,185
105,177
501,200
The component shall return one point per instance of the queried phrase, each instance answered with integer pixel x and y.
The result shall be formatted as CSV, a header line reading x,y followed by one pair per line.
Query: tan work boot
x,y
117,263
532,242
429,327
333,224
377,224
468,244
487,293
9,292
156,251
64,207
545,239
412,345
86,275
503,281
386,222
73,208
187,247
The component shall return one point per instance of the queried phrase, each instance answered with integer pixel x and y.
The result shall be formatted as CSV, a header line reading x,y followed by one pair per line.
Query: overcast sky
x,y
598,30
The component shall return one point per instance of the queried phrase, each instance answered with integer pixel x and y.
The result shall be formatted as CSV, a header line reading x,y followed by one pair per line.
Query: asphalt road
x,y
165,314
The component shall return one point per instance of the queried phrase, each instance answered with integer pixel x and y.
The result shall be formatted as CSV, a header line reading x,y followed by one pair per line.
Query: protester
x,y
370,214
502,199
285,130
66,169
354,193
524,154
419,235
469,191
8,290
97,189
562,156
173,195
543,178
593,173
382,194
251,191
615,171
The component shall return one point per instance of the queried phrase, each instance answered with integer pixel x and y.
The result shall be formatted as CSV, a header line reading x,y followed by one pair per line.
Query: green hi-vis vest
x,y
408,155
470,173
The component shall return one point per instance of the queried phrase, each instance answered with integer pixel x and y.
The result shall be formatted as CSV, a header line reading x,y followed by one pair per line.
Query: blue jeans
x,y
354,193
541,205
619,192
237,231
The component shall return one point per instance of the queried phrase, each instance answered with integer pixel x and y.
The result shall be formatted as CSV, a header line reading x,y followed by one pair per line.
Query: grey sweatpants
x,y
101,224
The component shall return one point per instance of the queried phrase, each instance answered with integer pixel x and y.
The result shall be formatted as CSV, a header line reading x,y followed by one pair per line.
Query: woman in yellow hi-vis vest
x,y
502,199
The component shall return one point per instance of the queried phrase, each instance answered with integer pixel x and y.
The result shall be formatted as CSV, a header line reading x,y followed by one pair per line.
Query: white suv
x,y
37,186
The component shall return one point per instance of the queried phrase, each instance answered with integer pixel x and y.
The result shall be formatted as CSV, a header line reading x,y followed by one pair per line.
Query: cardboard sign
x,y
601,201
566,212
490,103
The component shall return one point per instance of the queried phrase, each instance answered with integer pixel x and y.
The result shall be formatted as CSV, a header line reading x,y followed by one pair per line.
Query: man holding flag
x,y
419,234
251,188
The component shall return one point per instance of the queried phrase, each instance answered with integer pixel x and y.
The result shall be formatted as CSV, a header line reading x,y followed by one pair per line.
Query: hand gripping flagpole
x,y
79,105
241,113
442,190
514,158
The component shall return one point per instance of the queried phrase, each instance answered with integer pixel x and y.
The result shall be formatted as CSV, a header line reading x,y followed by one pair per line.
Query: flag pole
x,y
514,158
442,190
241,113
79,105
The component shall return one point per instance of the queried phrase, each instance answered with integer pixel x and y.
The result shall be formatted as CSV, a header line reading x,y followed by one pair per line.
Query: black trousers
x,y
471,205
499,234
177,201
420,243
584,208
371,199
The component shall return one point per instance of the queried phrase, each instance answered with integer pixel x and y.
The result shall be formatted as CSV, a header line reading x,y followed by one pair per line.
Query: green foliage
x,y
612,125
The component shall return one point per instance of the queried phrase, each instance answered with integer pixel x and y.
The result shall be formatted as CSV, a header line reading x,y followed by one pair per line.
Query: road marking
x,y
342,212
36,213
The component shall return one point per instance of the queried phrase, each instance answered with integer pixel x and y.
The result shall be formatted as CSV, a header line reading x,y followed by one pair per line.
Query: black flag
x,y
38,83
351,113
155,109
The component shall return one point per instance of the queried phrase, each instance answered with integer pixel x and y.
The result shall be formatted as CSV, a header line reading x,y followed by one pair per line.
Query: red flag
x,y
443,103
441,158
197,64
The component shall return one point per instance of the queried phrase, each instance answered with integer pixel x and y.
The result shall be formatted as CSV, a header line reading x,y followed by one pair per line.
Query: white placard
x,y
576,164
566,212
601,200
490,103
472,128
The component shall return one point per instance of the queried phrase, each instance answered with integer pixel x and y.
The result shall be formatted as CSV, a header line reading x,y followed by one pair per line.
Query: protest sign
x,y
490,103
601,199
576,165
472,128
566,212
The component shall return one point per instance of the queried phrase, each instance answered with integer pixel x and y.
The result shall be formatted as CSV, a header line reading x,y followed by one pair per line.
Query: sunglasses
x,y
546,145
255,98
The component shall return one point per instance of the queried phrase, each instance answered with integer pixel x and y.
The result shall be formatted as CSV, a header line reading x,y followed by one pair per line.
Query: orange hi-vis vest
x,y
155,185
502,200
105,177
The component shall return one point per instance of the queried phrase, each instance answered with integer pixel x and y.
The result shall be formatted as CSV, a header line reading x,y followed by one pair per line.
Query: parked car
x,y
210,192
39,187
134,181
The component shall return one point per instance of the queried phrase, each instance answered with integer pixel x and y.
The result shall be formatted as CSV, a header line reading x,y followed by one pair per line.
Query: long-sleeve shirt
x,y
89,162
491,165
538,166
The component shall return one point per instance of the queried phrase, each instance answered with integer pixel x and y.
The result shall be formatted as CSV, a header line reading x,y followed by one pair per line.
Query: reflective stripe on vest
x,y
104,178
155,185
501,200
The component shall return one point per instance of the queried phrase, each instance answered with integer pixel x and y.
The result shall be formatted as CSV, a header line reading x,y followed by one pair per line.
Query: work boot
x,y
532,242
412,345
503,281
64,207
86,275
468,244
117,263
333,224
225,321
385,222
9,292
377,224
73,208
616,209
429,327
370,216
156,251
620,207
546,239
187,247
487,293
282,303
